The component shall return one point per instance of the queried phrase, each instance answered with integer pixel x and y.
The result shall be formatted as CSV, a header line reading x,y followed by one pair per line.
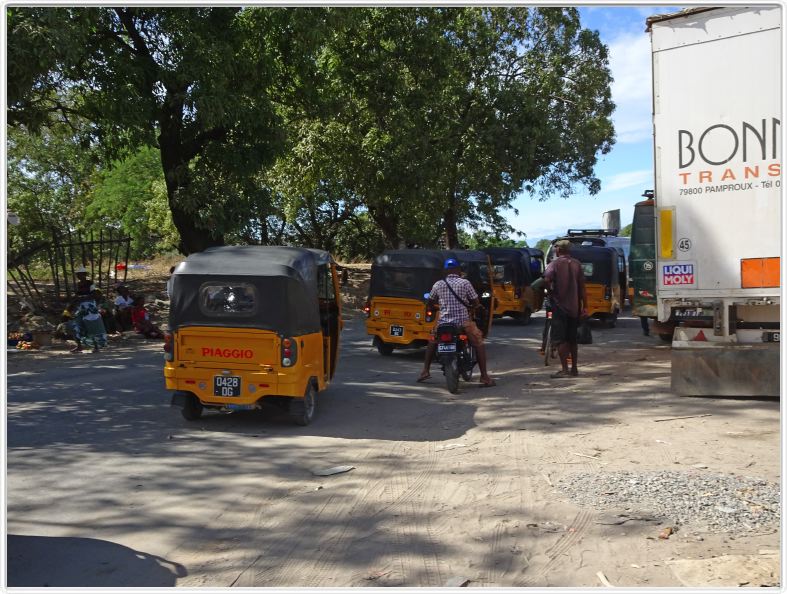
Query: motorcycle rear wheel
x,y
451,371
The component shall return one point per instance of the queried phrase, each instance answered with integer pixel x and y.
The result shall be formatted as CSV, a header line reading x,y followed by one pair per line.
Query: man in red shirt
x,y
566,287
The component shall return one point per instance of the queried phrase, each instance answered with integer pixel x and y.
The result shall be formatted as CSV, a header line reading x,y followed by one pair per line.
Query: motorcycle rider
x,y
456,296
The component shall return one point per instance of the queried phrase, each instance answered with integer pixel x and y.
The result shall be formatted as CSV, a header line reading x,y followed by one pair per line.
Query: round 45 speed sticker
x,y
684,245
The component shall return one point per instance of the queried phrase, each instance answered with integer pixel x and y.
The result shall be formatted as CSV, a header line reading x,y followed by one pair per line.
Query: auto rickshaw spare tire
x,y
302,409
192,407
383,348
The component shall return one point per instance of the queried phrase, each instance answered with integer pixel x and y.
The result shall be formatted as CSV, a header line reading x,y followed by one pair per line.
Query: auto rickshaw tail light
x,y
289,352
446,337
429,315
367,309
463,336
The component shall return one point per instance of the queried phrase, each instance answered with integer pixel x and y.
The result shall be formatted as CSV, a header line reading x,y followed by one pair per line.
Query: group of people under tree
x,y
91,316
564,282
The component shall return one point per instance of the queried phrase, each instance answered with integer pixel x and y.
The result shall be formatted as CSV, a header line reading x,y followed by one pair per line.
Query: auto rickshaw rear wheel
x,y
192,407
302,409
383,348
612,320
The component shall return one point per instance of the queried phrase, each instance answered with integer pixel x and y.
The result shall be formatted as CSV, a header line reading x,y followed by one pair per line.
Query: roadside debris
x,y
586,456
332,470
677,418
450,446
666,532
457,582
603,579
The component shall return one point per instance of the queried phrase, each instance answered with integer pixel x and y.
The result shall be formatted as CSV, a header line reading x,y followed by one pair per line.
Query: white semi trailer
x,y
717,121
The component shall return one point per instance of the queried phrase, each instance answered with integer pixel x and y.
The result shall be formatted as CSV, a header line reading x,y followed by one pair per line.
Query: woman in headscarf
x,y
89,325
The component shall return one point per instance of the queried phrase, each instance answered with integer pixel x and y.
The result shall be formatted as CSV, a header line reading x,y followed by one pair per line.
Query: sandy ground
x,y
109,486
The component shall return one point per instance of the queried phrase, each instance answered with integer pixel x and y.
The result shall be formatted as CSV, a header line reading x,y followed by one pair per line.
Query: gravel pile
x,y
712,502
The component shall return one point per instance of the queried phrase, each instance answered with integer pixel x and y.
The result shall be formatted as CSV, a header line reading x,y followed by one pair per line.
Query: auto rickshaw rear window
x,y
587,268
223,300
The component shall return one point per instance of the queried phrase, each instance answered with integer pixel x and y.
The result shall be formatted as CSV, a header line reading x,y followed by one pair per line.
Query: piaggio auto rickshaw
x,y
397,313
252,322
512,277
605,280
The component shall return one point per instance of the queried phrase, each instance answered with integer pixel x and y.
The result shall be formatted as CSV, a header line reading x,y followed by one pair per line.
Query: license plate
x,y
397,330
226,385
770,337
447,347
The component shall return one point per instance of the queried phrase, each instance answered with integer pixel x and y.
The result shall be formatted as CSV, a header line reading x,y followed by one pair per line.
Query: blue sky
x,y
628,169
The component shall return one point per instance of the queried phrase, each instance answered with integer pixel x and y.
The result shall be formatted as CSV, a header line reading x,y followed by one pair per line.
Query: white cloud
x,y
630,63
627,179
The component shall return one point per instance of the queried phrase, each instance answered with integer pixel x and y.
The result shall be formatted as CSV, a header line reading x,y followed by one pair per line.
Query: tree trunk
x,y
388,224
449,223
192,238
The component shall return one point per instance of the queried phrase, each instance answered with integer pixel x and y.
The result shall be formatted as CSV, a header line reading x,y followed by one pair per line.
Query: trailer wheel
x,y
192,408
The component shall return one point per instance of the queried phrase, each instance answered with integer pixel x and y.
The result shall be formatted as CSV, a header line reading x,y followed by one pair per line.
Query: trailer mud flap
x,y
712,369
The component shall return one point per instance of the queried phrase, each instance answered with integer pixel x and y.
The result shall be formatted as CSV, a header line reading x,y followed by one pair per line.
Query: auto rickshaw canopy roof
x,y
279,287
604,260
410,273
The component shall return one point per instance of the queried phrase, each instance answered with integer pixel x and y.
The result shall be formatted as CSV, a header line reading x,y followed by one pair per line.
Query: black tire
x,y
192,408
548,346
385,349
302,409
525,317
467,373
451,370
666,337
612,320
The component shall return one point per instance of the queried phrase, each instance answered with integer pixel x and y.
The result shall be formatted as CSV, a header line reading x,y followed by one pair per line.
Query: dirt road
x,y
108,485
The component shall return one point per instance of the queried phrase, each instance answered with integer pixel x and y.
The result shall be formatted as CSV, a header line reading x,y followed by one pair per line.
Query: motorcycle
x,y
456,355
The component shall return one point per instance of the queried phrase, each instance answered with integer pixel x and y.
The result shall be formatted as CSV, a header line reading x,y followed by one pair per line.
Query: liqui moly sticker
x,y
674,275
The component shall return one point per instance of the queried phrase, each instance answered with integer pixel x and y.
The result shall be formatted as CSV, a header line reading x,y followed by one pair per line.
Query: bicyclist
x,y
456,297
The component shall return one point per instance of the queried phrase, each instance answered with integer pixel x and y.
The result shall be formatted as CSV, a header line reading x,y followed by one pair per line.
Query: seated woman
x,y
89,325
105,309
123,303
141,320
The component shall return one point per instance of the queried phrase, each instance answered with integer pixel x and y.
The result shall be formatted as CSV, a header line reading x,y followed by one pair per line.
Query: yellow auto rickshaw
x,y
397,312
605,280
515,269
248,323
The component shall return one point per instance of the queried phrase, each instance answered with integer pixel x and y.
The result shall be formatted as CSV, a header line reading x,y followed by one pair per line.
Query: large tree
x,y
448,114
201,84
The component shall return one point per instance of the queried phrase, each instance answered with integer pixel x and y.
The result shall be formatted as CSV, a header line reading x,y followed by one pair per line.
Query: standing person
x,y
123,303
455,295
643,321
566,287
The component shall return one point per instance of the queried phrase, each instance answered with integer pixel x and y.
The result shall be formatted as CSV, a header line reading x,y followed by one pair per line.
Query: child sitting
x,y
141,320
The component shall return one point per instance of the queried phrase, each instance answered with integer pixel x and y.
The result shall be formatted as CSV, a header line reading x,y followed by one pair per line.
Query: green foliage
x,y
481,239
626,231
48,182
283,124
359,239
132,197
543,245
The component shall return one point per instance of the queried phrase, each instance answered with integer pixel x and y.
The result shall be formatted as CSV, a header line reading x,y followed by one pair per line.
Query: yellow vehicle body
x,y
253,355
598,305
508,303
241,334
399,321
